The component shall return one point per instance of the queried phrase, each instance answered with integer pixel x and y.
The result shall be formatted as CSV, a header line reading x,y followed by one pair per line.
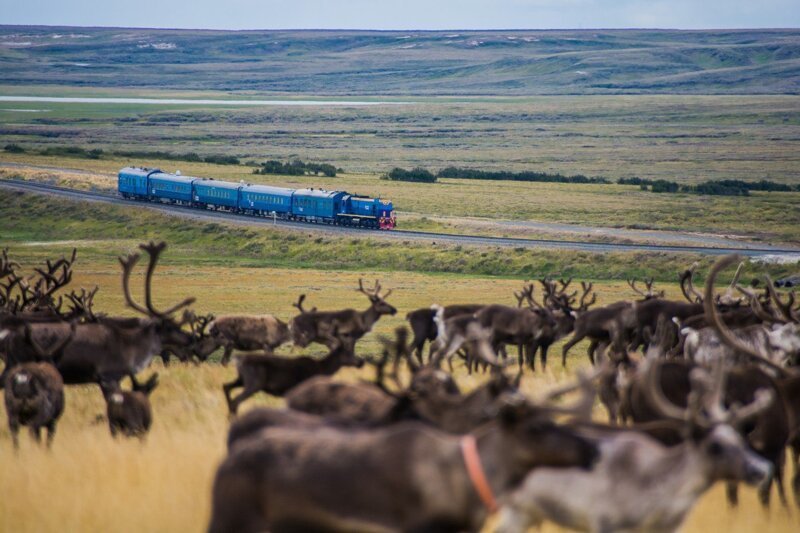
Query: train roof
x,y
172,177
317,193
206,182
267,189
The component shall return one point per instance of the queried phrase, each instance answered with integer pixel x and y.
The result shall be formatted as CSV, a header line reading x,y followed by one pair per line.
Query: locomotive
x,y
308,205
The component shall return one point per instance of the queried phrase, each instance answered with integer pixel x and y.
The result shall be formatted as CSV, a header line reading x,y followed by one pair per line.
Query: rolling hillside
x,y
407,63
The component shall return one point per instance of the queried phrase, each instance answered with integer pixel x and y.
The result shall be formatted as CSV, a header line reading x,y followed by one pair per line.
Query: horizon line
x,y
376,30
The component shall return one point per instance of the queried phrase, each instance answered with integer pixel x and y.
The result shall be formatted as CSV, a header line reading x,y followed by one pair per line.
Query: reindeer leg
x,y
796,477
51,433
227,388
13,427
233,404
780,463
543,355
226,357
570,343
165,354
592,351
732,493
36,433
533,347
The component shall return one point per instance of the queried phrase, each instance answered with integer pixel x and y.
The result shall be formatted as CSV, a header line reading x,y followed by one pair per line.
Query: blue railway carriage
x,y
317,205
367,212
264,200
132,181
171,188
215,194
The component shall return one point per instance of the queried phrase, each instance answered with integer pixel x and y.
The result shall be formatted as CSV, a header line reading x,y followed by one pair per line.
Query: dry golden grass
x,y
90,482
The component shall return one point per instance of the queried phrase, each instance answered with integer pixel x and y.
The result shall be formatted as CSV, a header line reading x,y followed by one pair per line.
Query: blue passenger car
x,y
132,181
217,194
171,188
317,204
263,199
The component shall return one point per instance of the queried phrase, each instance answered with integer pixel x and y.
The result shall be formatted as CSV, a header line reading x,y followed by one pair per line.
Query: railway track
x,y
476,240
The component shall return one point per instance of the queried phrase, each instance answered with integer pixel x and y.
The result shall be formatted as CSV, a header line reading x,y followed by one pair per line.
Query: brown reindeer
x,y
277,375
406,477
34,397
248,333
109,348
318,326
128,412
424,328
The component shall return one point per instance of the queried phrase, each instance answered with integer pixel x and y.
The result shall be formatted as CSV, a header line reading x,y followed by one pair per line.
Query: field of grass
x,y
769,217
89,482
679,138
26,217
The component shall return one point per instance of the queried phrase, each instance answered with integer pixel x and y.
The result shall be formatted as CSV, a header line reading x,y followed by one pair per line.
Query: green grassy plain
x,y
679,138
763,216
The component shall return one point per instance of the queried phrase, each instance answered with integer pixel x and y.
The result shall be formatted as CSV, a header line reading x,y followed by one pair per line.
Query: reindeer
x,y
128,412
776,339
639,484
294,478
318,326
468,332
110,348
248,332
564,315
34,397
424,328
202,344
277,375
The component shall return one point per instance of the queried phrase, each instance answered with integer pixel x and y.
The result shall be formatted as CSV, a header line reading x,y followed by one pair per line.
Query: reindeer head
x,y
379,303
23,385
649,293
534,439
711,427
168,328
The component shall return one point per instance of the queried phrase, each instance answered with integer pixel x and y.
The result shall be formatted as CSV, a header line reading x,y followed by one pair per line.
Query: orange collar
x,y
469,450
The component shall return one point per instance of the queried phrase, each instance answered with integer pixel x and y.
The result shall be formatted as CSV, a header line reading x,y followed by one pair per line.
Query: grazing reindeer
x,y
464,331
639,484
248,332
110,348
34,397
128,412
318,326
406,477
277,375
598,325
202,344
424,328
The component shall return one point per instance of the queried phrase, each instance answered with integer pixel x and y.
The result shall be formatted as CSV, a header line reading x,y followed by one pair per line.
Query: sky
x,y
406,14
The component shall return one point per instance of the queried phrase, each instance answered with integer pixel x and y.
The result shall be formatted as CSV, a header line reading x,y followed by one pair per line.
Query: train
x,y
308,205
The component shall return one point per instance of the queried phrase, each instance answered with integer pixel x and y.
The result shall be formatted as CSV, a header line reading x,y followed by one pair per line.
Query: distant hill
x,y
407,63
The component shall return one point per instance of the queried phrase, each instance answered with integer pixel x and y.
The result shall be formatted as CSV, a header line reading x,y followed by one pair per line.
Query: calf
x,y
34,397
129,412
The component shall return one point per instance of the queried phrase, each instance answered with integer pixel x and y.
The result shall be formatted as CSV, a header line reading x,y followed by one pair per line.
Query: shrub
x,y
417,174
14,149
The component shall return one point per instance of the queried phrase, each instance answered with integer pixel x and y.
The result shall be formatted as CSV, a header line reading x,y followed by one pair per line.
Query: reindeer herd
x,y
697,392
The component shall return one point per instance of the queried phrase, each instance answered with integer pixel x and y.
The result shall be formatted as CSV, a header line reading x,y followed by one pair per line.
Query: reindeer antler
x,y
375,293
299,305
